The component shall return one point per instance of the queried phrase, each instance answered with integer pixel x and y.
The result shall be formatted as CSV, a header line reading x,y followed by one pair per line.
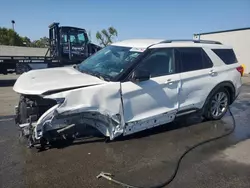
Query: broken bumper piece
x,y
52,125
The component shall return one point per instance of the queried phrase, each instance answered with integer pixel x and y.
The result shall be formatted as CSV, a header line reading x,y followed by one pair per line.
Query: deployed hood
x,y
37,82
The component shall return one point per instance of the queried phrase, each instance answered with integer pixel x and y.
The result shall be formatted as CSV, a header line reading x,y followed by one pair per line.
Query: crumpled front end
x,y
98,106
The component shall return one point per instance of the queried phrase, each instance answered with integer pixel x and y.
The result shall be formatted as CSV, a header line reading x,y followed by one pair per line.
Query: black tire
x,y
208,115
22,111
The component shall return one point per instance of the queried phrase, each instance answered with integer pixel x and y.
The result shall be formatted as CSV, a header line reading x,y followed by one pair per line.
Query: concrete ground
x,y
144,159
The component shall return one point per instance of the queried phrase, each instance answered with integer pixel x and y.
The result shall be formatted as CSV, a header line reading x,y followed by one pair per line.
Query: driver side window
x,y
159,62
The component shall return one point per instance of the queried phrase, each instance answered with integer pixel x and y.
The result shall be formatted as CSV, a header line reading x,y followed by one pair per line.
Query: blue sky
x,y
168,19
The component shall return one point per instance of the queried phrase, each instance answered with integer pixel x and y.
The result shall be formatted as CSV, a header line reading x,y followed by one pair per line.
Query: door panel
x,y
195,87
198,77
150,98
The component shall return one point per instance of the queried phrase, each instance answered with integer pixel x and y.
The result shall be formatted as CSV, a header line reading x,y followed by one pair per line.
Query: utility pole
x,y
13,24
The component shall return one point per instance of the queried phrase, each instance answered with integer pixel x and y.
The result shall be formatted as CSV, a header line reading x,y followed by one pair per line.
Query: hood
x,y
37,82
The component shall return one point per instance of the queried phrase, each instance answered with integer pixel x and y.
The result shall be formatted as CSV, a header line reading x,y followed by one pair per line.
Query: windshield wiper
x,y
101,76
96,74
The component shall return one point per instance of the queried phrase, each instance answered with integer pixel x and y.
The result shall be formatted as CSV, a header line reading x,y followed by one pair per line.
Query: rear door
x,y
155,101
198,77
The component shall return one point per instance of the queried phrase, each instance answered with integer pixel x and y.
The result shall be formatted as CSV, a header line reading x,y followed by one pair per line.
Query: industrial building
x,y
239,39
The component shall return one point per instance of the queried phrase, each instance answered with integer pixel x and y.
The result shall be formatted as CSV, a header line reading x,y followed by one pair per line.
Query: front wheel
x,y
217,105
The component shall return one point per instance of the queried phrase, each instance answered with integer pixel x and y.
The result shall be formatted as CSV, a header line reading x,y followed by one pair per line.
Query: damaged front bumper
x,y
53,125
98,106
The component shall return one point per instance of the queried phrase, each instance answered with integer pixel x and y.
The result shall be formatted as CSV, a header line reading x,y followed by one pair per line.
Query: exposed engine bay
x,y
31,108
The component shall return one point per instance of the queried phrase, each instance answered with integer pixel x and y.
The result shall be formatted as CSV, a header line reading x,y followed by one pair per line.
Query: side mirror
x,y
140,75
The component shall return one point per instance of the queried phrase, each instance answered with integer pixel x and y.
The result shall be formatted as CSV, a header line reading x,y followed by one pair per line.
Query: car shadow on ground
x,y
6,118
96,136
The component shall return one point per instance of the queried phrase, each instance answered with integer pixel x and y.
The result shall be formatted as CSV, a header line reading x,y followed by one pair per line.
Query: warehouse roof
x,y
223,31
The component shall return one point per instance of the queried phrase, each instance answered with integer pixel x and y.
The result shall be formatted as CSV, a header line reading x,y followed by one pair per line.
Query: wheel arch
x,y
228,85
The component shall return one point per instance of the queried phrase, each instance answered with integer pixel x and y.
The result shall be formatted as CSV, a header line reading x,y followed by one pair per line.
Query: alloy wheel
x,y
219,104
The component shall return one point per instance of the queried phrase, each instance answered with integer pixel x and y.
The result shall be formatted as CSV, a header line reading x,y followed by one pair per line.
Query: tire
x,y
217,104
22,111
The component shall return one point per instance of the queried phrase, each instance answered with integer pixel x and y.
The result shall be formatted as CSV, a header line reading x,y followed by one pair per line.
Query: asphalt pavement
x,y
144,159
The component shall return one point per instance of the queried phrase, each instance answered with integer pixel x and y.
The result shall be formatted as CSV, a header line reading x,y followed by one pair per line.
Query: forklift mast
x,y
70,45
54,40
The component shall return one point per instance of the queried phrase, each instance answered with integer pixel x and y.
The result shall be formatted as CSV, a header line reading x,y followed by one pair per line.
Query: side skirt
x,y
137,126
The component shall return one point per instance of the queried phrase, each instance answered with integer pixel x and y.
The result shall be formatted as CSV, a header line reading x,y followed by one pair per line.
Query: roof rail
x,y
194,41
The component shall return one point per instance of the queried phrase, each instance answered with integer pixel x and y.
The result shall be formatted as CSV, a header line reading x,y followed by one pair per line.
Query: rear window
x,y
226,55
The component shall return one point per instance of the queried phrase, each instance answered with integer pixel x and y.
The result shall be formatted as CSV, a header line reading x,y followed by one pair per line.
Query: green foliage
x,y
26,41
10,37
41,43
106,37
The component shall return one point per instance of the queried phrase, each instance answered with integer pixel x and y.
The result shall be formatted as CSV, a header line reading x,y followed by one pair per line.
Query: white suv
x,y
127,87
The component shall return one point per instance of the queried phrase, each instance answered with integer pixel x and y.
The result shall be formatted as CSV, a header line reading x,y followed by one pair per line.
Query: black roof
x,y
223,31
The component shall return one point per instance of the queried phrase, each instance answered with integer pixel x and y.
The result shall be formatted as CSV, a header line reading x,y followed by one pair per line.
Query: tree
x,y
10,37
106,37
26,41
41,43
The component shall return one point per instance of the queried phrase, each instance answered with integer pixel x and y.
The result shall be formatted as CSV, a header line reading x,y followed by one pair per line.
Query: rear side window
x,y
191,59
226,55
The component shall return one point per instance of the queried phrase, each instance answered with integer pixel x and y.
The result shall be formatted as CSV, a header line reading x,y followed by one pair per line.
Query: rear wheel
x,y
217,105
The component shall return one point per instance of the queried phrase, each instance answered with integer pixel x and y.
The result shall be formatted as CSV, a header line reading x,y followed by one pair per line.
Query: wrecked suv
x,y
128,87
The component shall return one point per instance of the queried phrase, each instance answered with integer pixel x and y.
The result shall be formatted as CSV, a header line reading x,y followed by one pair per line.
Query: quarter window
x,y
159,62
192,59
226,55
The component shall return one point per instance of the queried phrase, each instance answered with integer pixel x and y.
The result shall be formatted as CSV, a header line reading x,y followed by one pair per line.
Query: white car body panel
x,y
37,82
150,103
122,108
150,98
195,87
137,43
99,106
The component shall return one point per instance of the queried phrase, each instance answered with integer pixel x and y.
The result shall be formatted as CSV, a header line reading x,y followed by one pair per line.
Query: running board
x,y
181,113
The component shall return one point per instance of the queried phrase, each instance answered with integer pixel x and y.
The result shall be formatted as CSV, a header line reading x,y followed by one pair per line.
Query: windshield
x,y
75,37
110,61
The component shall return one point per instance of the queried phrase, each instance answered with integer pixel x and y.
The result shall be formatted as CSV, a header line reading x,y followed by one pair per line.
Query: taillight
x,y
240,69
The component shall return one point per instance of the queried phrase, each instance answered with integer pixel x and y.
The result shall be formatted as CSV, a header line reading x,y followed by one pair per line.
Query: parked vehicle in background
x,y
128,87
67,46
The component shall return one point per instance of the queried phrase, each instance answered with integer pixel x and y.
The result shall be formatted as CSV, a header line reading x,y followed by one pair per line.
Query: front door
x,y
155,101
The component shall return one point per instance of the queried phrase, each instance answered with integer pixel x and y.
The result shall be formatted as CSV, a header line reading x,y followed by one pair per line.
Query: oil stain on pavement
x,y
144,159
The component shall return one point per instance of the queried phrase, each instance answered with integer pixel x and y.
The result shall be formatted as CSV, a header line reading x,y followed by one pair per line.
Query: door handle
x,y
169,81
212,73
